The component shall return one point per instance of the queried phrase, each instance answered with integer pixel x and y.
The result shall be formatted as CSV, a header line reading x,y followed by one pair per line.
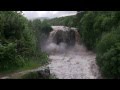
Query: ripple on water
x,y
74,66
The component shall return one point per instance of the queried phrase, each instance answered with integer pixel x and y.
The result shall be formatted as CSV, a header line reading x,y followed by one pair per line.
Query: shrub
x,y
31,75
9,57
45,28
108,55
17,40
93,24
99,32
109,62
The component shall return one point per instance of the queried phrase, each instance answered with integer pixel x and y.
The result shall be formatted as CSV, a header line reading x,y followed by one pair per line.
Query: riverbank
x,y
32,63
76,63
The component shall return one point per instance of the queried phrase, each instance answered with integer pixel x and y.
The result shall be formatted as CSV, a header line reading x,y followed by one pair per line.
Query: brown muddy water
x,y
69,58
75,62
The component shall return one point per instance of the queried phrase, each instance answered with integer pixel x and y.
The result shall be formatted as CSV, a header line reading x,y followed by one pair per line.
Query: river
x,y
75,63
68,62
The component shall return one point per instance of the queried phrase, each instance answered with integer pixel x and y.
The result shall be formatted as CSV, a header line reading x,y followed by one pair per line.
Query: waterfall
x,y
61,38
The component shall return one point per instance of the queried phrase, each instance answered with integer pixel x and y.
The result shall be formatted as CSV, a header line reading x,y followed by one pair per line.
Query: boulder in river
x,y
40,74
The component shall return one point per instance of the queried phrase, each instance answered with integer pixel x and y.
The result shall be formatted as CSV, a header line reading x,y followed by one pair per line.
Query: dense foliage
x,y
64,21
17,41
42,29
15,38
108,54
99,31
94,23
21,39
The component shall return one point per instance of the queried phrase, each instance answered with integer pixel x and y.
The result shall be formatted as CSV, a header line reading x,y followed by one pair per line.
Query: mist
x,y
53,48
59,40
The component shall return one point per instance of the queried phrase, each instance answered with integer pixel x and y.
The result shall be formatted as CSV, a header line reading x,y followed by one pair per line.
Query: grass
x,y
31,75
31,63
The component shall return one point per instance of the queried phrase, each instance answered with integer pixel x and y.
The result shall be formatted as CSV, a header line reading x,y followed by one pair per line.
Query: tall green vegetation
x,y
108,54
42,29
64,21
18,41
100,32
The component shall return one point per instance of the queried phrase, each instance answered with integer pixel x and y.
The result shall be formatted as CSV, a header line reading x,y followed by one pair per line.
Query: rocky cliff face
x,y
62,38
61,34
67,37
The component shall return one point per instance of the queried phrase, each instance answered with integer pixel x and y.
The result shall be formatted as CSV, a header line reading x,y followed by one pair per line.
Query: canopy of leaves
x,y
17,39
100,31
64,21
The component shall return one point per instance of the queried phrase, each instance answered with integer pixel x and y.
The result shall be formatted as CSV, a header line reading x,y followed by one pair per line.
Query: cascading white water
x,y
75,62
69,58
61,38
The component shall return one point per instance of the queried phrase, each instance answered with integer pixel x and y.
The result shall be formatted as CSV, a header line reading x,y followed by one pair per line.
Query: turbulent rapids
x,y
69,58
61,39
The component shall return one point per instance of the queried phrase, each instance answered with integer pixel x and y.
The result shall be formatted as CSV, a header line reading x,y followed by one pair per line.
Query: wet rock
x,y
61,39
61,34
40,74
67,37
45,74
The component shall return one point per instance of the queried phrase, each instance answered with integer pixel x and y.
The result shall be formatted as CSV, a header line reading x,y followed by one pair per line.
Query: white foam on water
x,y
75,65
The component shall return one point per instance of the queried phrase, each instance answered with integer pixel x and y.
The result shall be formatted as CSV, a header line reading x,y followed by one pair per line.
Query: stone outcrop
x,y
39,73
67,35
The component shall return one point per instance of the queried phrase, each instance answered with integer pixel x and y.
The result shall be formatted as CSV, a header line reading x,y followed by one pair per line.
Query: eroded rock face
x,y
62,34
60,39
39,73
67,37
45,74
